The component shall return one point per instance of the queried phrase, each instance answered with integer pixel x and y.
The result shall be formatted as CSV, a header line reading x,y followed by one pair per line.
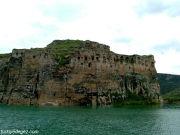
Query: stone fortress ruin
x,y
75,72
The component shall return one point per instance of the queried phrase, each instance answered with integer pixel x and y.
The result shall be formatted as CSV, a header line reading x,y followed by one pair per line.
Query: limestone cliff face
x,y
69,72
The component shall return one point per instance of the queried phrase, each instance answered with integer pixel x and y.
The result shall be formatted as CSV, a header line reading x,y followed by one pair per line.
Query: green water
x,y
150,119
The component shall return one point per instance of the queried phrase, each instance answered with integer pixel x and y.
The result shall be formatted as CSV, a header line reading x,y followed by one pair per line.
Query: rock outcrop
x,y
74,72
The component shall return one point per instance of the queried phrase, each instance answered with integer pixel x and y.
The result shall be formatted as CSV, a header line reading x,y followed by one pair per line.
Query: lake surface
x,y
77,120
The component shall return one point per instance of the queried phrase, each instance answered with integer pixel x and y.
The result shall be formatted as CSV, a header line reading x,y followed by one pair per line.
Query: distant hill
x,y
172,97
168,82
173,94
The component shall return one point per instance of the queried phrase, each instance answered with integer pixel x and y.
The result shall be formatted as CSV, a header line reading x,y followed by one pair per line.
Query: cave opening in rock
x,y
89,64
152,64
140,93
127,59
85,102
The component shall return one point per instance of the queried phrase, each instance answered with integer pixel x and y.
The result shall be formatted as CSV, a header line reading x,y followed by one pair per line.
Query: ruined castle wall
x,y
33,77
95,62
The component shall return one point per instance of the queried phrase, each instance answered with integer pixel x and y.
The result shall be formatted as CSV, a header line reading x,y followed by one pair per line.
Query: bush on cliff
x,y
154,101
56,58
64,61
134,99
141,102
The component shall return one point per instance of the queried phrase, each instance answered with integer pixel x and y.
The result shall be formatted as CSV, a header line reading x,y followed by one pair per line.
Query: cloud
x,y
172,45
123,40
42,32
155,7
64,11
129,27
176,69
177,66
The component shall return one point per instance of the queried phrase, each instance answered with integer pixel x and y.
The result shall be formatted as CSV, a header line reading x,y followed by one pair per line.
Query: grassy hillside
x,y
5,55
168,82
173,96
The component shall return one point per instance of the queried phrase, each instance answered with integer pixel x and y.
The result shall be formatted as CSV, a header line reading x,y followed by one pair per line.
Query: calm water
x,y
156,119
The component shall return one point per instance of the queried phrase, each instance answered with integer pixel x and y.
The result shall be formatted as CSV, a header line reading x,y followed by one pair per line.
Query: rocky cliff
x,y
74,72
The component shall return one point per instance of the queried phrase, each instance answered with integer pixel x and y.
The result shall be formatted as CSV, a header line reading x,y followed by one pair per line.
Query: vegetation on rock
x,y
5,55
135,99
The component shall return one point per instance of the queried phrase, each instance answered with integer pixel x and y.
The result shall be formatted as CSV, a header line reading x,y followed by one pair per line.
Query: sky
x,y
144,27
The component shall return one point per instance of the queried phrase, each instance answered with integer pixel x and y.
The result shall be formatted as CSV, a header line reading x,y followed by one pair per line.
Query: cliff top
x,y
68,47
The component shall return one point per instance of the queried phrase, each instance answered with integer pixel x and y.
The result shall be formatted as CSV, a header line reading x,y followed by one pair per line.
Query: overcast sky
x,y
128,26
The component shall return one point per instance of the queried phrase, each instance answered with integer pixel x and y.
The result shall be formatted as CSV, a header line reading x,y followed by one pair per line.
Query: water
x,y
125,120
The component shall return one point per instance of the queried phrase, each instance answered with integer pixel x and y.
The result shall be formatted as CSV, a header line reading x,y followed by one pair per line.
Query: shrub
x,y
56,58
121,84
63,62
154,101
143,80
158,94
116,59
115,94
133,97
132,61
126,60
121,59
146,89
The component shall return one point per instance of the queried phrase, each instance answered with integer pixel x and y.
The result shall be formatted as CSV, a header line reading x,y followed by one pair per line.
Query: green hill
x,y
168,82
173,96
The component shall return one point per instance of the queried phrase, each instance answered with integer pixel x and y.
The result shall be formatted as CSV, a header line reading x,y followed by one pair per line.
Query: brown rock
x,y
89,74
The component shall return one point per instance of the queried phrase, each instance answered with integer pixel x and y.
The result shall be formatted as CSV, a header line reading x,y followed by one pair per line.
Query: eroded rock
x,y
85,73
